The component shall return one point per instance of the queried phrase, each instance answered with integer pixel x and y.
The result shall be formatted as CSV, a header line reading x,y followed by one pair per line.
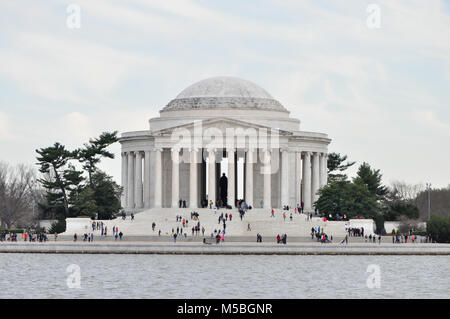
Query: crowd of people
x,y
24,236
354,231
191,224
403,239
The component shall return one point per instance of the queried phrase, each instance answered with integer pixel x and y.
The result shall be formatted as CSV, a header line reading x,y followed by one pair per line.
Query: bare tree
x,y
404,192
17,190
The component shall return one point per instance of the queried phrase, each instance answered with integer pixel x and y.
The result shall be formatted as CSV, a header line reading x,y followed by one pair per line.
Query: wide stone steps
x,y
260,222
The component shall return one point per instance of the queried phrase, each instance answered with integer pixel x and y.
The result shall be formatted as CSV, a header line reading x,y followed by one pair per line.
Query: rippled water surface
x,y
220,276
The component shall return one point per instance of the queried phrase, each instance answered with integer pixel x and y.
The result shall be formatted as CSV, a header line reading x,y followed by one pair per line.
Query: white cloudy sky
x,y
383,95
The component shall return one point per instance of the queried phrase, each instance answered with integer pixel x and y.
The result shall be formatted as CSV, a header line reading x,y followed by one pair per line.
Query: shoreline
x,y
230,248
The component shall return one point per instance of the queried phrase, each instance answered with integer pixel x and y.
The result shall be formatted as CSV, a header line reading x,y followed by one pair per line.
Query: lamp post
x,y
429,200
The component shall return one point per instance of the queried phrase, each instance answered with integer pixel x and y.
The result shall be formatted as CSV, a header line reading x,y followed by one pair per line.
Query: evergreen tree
x,y
91,154
84,203
347,198
106,195
372,179
337,164
101,197
67,193
62,178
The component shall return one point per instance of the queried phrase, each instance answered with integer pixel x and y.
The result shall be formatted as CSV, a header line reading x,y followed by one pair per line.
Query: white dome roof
x,y
224,92
224,86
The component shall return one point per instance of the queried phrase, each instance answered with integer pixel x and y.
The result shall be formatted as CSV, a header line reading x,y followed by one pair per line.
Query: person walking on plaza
x,y
258,238
120,235
272,213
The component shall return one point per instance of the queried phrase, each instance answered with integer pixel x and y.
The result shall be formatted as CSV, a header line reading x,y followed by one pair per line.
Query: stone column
x,y
147,179
193,179
315,177
307,181
124,198
231,178
138,191
284,177
249,177
175,177
325,169
130,191
212,176
267,171
158,178
321,170
298,177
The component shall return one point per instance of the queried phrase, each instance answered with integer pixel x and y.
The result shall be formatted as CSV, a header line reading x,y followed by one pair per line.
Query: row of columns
x,y
311,174
310,171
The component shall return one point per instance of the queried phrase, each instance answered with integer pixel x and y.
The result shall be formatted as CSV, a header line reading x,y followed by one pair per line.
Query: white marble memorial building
x,y
223,125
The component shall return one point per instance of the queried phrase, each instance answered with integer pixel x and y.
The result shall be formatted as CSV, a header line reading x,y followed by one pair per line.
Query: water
x,y
220,276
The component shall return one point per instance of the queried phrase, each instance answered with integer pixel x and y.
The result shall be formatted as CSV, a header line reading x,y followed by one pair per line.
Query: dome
x,y
224,92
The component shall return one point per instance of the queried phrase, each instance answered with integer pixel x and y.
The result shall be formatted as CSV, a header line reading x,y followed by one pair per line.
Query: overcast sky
x,y
382,94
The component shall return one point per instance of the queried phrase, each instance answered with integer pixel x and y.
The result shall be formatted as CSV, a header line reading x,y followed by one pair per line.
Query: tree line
x,y
70,184
366,196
